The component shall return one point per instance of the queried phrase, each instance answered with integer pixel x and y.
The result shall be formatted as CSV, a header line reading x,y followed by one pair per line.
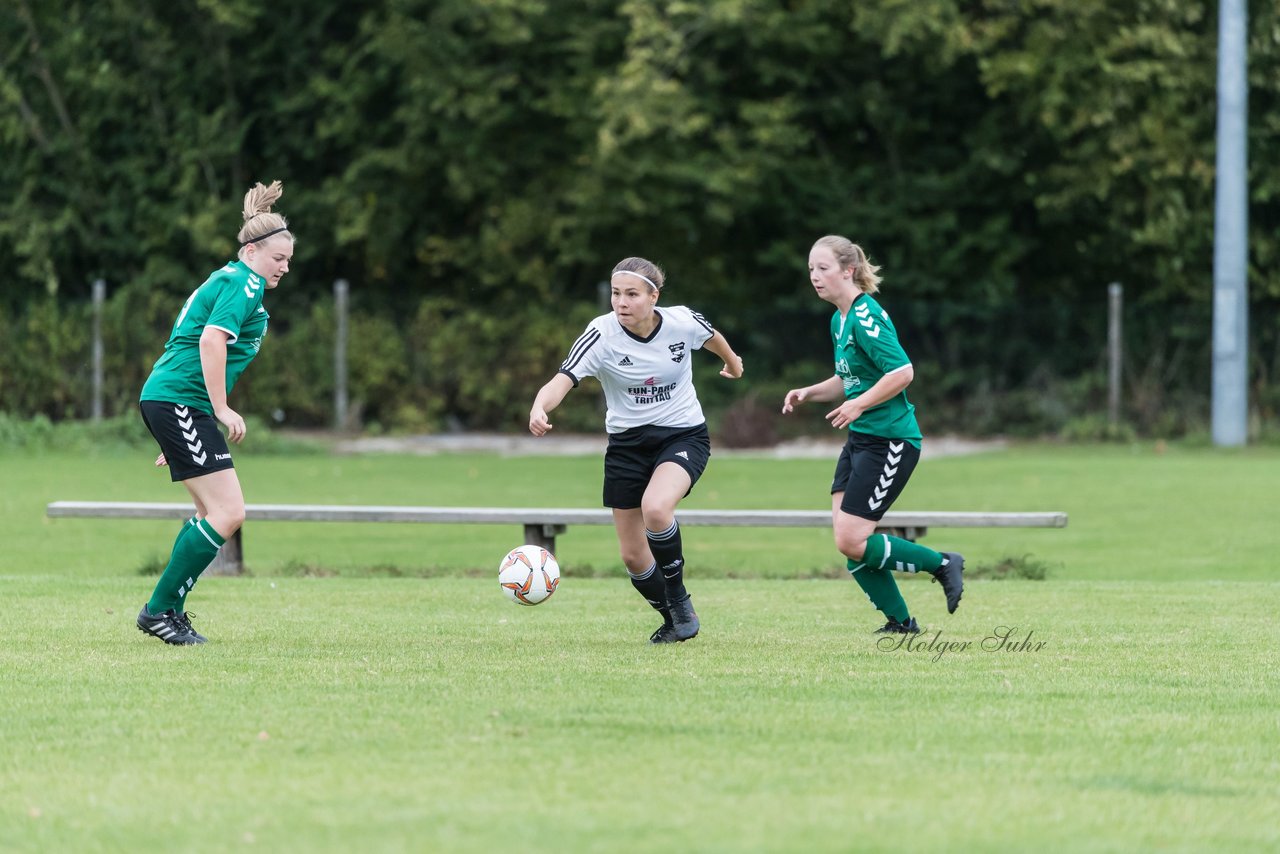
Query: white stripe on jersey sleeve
x,y
234,337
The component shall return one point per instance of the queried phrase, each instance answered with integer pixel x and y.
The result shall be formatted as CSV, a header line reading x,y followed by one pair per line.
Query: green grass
x,y
319,718
428,714
1134,512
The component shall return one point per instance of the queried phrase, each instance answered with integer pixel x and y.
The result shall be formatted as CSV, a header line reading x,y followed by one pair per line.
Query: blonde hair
x,y
850,254
643,268
259,221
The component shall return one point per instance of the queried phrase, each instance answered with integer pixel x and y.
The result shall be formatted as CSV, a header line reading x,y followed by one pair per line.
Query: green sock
x,y
886,552
182,533
194,550
881,589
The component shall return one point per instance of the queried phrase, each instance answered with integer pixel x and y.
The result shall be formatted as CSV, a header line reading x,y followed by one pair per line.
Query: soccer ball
x,y
529,575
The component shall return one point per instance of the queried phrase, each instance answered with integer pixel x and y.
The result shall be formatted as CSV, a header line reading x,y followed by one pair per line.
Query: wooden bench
x,y
541,525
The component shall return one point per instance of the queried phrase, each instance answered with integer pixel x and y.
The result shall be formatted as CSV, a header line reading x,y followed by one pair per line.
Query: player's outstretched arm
x,y
826,391
548,398
719,345
886,387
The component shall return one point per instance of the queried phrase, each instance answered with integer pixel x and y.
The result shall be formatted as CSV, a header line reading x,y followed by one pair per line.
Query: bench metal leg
x,y
230,558
911,532
543,535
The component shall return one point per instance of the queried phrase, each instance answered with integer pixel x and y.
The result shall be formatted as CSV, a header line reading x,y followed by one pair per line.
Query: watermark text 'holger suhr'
x,y
1008,639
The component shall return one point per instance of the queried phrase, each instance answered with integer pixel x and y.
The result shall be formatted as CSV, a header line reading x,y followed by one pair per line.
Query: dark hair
x,y
646,269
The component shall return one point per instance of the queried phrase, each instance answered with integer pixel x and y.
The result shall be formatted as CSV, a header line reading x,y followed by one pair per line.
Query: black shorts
x,y
634,454
189,438
872,472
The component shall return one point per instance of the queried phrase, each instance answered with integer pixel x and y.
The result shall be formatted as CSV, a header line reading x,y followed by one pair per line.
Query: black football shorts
x,y
189,438
872,472
634,454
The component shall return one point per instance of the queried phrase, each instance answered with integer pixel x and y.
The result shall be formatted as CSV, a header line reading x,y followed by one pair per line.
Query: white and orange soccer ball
x,y
529,575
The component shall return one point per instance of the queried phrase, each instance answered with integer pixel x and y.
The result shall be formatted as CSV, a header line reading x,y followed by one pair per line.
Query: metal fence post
x,y
340,291
99,297
604,294
1115,352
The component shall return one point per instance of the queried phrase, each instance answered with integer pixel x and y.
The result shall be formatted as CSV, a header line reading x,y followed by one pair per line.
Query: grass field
x,y
1132,706
401,715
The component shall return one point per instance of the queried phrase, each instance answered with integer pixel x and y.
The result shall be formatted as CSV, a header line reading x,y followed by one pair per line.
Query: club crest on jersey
x,y
677,351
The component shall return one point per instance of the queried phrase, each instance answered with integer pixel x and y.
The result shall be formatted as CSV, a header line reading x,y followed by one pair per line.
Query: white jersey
x,y
646,381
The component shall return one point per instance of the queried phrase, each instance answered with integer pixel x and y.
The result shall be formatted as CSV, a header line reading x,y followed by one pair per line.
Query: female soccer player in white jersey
x,y
218,332
883,445
658,441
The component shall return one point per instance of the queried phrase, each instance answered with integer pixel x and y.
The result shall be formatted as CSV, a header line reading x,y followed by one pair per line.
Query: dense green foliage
x,y
474,168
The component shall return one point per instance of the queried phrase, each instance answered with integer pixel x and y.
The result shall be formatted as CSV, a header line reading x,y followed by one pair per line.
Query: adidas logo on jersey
x,y
625,363
684,454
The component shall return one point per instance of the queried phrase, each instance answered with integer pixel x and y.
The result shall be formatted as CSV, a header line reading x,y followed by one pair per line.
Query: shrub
x,y
1022,566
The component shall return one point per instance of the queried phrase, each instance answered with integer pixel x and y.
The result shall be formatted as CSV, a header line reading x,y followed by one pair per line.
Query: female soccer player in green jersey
x,y
883,445
218,332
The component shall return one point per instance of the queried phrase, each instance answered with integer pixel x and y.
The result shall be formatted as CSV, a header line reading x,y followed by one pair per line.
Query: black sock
x,y
653,588
668,551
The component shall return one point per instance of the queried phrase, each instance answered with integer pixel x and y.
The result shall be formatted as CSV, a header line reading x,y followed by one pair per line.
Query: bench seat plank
x,y
551,516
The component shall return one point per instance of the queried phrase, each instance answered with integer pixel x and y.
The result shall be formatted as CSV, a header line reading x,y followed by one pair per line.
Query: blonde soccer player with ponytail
x,y
883,442
218,332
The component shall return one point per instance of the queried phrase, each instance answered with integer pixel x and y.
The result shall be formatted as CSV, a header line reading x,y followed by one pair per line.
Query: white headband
x,y
638,276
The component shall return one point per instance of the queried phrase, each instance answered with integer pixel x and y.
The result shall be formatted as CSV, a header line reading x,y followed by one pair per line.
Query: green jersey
x,y
230,300
867,348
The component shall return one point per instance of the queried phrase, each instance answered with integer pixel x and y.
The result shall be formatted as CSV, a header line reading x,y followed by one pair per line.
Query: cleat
x,y
665,633
951,577
893,627
167,626
185,619
684,622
